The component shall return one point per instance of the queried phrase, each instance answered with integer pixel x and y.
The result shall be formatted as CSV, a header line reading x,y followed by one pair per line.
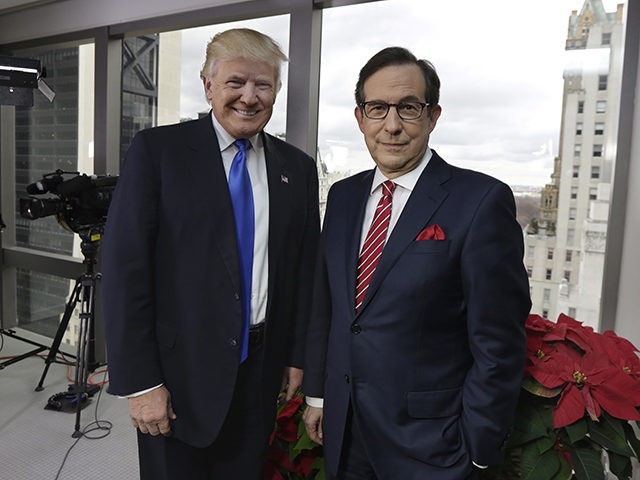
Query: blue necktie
x,y
242,199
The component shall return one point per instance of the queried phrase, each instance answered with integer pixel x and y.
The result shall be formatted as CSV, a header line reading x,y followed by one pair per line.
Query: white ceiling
x,y
7,6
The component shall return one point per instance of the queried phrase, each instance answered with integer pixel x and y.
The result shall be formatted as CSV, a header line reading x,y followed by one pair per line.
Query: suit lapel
x,y
424,201
207,175
355,217
280,202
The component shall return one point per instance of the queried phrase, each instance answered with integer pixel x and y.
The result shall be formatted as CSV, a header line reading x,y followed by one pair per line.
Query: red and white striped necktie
x,y
374,242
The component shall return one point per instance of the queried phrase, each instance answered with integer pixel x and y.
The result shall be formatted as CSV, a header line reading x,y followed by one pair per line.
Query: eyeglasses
x,y
377,110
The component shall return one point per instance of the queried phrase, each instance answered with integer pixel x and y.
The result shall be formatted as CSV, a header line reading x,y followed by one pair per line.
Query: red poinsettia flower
x,y
591,383
621,352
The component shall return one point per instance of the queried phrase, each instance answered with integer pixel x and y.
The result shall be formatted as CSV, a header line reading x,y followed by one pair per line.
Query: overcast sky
x,y
500,63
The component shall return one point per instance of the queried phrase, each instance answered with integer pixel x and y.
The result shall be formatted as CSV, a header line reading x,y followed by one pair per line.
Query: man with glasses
x,y
415,348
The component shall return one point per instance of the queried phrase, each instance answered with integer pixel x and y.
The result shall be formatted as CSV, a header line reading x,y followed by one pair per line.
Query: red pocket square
x,y
432,232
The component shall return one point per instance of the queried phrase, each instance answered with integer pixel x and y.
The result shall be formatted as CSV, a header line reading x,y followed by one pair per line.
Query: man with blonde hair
x,y
208,259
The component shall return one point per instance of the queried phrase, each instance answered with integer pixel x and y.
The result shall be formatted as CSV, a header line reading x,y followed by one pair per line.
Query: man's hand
x,y
151,411
312,418
292,380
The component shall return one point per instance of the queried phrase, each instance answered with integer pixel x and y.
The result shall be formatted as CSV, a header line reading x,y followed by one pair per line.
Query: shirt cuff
x,y
141,392
315,402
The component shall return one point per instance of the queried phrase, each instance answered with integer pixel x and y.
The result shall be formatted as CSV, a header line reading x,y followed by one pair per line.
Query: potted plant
x,y
577,413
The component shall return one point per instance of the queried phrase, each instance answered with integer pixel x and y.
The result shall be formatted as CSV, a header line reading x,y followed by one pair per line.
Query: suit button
x,y
236,296
346,379
233,342
356,329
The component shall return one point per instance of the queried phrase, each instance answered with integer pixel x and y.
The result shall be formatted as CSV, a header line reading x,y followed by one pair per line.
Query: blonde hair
x,y
243,43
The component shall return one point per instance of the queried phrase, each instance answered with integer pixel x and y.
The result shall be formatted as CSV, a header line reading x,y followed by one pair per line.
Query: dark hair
x,y
400,56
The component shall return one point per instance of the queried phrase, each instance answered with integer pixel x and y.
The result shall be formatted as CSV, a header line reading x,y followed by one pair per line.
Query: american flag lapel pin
x,y
284,178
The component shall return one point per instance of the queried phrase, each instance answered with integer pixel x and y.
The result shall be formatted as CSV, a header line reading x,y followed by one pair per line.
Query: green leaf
x,y
577,430
545,443
586,463
532,422
631,437
604,433
539,467
536,388
565,471
620,465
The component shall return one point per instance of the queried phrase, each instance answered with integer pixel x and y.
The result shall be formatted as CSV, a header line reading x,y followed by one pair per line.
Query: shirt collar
x,y
408,180
225,140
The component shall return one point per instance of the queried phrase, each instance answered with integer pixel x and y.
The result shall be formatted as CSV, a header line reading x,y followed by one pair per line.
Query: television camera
x,y
82,201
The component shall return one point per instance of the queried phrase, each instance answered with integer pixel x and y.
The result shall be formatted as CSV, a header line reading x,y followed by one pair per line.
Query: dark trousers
x,y
237,453
354,461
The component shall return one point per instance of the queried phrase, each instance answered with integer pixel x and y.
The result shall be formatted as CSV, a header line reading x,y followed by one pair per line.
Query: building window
x,y
599,128
548,274
545,313
550,254
568,255
574,193
595,171
576,171
579,128
581,106
530,251
529,272
593,193
546,296
577,148
606,38
567,275
572,214
572,312
602,82
601,106
571,235
597,150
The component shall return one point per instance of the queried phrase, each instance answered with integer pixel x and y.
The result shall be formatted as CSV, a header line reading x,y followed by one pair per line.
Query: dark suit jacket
x,y
434,364
171,278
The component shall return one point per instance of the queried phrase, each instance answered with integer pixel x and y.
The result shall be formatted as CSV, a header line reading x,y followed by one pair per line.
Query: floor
x,y
37,444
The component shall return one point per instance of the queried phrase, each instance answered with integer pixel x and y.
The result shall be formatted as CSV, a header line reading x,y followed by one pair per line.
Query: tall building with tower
x,y
565,245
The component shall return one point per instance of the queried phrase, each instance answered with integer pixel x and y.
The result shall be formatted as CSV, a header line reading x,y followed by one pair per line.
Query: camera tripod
x,y
83,292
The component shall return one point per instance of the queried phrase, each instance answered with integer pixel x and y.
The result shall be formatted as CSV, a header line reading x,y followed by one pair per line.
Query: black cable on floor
x,y
97,425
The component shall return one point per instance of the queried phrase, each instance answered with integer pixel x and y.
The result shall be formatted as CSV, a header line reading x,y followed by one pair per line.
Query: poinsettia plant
x,y
292,454
577,413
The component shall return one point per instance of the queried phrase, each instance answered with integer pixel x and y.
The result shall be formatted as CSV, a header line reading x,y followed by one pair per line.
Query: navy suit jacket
x,y
171,278
433,360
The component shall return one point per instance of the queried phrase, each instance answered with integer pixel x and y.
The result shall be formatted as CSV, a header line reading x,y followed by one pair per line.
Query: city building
x,y
565,245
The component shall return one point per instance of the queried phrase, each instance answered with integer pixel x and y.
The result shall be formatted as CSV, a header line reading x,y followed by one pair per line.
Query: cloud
x,y
500,62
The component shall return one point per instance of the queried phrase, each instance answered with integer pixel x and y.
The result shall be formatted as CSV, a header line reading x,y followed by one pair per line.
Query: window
x,y
571,234
547,275
546,295
579,128
595,171
580,106
550,254
529,272
597,150
593,193
567,275
530,251
576,171
568,255
574,192
545,313
577,148
572,214
599,128
606,39
602,82
601,106
572,312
